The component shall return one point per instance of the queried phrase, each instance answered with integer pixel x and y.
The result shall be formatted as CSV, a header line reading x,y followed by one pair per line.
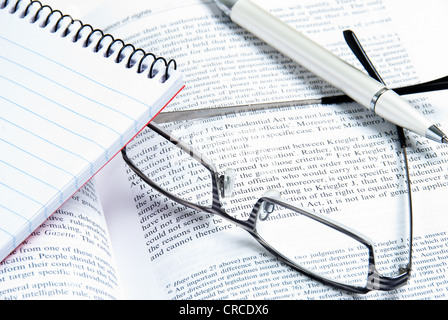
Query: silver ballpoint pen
x,y
356,84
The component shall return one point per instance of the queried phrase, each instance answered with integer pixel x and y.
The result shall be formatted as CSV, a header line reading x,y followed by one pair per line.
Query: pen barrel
x,y
289,41
359,86
397,110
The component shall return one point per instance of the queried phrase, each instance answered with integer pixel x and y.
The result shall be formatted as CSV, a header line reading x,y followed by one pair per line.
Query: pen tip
x,y
436,134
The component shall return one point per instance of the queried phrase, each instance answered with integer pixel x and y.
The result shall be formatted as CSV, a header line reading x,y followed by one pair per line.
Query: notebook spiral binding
x,y
66,26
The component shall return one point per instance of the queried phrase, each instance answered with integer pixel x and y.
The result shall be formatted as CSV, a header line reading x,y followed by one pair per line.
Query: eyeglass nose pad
x,y
268,207
227,183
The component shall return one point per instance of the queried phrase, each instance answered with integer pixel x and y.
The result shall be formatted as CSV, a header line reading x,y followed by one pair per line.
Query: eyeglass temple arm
x,y
358,51
433,85
361,55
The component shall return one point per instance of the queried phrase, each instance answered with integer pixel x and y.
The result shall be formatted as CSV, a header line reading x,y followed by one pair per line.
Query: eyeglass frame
x,y
375,281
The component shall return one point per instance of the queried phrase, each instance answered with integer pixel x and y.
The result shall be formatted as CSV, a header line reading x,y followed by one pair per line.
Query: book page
x,y
68,257
427,52
337,160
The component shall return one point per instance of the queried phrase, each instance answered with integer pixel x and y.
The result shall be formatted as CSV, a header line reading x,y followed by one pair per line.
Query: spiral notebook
x,y
70,98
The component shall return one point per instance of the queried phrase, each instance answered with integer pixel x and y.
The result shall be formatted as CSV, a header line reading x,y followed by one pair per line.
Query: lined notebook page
x,y
64,112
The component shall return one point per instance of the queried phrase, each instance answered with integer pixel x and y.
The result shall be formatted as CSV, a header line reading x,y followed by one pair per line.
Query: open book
x,y
117,238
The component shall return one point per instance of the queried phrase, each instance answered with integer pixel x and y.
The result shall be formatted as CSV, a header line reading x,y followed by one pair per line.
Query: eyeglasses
x,y
311,243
